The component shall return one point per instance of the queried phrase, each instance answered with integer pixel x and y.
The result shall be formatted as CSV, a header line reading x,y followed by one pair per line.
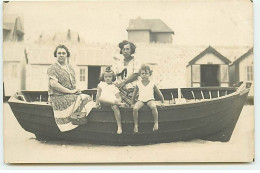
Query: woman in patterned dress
x,y
63,95
126,70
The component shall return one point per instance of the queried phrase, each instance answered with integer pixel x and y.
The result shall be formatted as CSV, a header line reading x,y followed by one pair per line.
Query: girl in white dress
x,y
108,94
146,89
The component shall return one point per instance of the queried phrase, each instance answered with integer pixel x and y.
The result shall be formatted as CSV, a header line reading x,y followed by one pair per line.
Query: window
x,y
82,76
249,73
195,73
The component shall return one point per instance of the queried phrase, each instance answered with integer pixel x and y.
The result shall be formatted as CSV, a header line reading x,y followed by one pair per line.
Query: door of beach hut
x,y
210,75
93,76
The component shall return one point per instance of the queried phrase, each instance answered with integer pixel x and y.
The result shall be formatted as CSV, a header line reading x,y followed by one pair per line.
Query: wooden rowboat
x,y
191,113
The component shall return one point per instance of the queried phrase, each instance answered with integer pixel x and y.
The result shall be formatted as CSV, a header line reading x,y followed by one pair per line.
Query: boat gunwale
x,y
189,104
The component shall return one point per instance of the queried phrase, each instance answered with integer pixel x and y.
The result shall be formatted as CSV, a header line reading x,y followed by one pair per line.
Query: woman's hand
x,y
75,91
78,91
162,105
98,106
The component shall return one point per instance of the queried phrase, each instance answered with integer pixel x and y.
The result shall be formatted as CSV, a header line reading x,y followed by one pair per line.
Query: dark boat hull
x,y
212,120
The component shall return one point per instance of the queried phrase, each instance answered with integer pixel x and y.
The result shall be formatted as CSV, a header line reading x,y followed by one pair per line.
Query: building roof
x,y
9,21
209,50
66,36
153,25
168,60
94,57
249,52
8,26
79,55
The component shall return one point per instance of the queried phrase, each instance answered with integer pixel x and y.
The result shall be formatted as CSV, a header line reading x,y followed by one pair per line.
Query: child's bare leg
x,y
109,102
106,101
152,106
138,105
119,103
118,118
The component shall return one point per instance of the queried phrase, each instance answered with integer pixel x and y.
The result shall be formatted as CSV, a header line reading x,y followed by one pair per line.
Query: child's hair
x,y
145,67
108,70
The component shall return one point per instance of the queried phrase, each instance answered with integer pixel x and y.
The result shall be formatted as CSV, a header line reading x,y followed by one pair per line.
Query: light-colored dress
x,y
109,91
119,68
64,104
123,72
146,93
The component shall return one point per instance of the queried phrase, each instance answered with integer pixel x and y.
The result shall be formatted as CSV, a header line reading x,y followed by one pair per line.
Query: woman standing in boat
x,y
126,70
63,95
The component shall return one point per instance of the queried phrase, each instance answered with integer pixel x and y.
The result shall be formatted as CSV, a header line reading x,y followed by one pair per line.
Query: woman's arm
x,y
134,94
159,93
130,79
54,84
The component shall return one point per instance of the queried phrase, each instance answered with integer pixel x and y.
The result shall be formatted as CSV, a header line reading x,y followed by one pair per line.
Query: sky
x,y
194,22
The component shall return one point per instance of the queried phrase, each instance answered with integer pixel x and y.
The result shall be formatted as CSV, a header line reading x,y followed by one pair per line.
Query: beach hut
x,y
242,69
90,63
148,31
40,58
14,68
169,61
209,68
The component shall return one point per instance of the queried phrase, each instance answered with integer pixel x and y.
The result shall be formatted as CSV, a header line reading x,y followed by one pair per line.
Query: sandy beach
x,y
22,147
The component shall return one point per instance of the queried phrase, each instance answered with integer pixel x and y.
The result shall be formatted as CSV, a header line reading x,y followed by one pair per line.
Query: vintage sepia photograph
x,y
128,81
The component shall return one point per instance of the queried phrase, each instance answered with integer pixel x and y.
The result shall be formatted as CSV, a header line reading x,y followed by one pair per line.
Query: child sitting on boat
x,y
146,88
108,94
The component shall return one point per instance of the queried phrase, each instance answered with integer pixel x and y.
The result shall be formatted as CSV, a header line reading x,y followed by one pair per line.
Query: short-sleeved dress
x,y
123,72
64,104
109,91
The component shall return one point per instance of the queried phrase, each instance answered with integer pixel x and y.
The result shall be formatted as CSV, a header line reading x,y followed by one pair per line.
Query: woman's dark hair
x,y
125,42
61,47
108,70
